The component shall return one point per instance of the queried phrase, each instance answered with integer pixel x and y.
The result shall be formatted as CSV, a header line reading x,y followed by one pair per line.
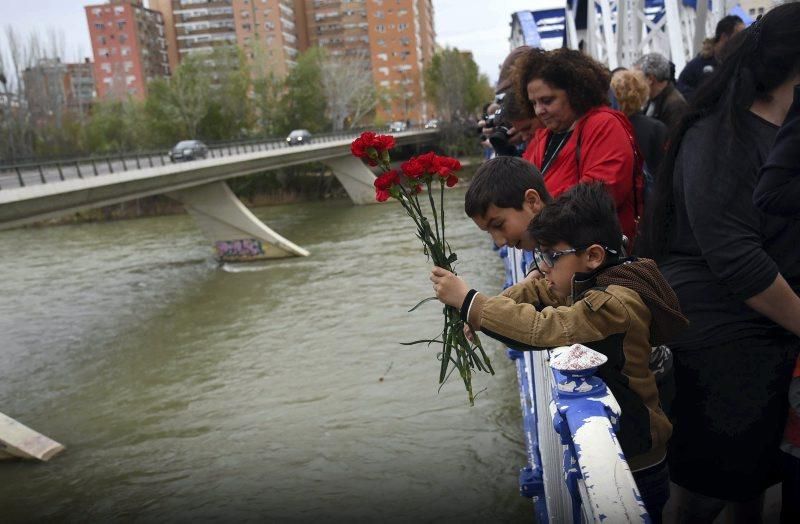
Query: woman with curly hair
x,y
583,140
651,134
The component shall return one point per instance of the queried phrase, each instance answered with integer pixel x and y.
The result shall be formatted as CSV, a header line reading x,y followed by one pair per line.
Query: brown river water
x,y
188,392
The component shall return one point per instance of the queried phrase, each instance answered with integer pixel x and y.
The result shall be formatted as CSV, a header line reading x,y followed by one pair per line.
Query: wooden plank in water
x,y
19,441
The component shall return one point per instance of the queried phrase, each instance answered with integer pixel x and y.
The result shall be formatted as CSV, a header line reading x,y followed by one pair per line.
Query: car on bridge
x,y
397,126
298,137
188,150
432,124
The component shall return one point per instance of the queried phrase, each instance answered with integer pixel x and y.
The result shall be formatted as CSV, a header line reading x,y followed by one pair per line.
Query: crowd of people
x,y
661,211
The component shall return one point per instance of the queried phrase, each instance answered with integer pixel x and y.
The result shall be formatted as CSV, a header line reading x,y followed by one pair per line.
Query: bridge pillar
x,y
236,234
357,179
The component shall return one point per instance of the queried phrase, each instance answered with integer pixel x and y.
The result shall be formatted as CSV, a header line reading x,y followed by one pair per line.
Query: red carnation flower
x,y
359,146
428,161
383,142
445,165
384,183
413,168
451,180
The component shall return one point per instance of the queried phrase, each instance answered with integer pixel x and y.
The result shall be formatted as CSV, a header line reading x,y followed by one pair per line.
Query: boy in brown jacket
x,y
589,295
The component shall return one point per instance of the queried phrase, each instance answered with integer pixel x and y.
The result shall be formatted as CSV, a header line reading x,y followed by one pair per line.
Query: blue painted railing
x,y
576,470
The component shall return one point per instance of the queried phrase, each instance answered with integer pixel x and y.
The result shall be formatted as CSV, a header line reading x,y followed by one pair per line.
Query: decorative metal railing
x,y
576,470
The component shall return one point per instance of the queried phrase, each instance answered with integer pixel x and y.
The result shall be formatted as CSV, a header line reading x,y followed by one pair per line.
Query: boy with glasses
x,y
592,296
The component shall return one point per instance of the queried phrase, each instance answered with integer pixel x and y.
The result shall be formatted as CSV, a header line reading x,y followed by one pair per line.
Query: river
x,y
188,392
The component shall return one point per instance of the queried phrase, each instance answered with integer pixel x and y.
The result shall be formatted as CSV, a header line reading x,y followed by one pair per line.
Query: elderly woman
x,y
651,134
583,140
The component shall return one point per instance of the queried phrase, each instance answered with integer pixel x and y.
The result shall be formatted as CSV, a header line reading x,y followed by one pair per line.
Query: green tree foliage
x,y
183,98
454,84
303,103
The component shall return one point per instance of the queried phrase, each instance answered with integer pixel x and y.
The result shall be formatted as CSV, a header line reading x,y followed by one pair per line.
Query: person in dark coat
x,y
666,103
736,272
651,134
700,67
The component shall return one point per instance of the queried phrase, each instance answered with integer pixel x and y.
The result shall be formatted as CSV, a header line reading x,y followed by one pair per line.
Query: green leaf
x,y
422,302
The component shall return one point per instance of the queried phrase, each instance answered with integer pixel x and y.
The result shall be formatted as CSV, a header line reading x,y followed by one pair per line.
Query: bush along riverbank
x,y
285,186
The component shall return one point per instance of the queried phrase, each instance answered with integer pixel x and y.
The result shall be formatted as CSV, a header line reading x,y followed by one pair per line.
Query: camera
x,y
499,136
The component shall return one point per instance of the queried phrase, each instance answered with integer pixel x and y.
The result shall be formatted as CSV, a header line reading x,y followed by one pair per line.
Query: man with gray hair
x,y
666,102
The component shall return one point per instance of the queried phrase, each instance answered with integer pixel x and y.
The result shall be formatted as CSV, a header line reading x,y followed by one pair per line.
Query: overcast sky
x,y
480,26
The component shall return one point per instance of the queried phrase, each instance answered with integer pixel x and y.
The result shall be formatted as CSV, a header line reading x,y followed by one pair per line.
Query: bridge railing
x,y
576,470
43,172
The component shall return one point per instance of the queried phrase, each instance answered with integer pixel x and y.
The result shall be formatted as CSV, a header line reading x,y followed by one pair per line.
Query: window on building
x,y
105,67
380,28
247,27
125,51
121,24
99,26
123,38
96,11
101,40
379,14
119,9
761,10
405,40
128,66
402,27
245,13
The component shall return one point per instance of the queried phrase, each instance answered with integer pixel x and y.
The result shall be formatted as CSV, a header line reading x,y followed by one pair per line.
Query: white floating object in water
x,y
18,440
576,357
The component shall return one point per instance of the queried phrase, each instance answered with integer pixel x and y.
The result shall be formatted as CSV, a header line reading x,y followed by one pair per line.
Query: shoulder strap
x,y
638,164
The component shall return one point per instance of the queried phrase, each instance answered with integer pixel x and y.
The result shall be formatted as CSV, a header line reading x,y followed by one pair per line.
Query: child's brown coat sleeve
x,y
513,319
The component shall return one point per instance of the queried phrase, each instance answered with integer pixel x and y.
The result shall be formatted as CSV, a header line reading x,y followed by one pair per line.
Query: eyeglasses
x,y
549,258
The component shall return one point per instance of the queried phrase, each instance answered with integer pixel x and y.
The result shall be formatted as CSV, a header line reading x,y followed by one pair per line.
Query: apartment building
x,y
754,8
52,86
394,38
265,30
129,47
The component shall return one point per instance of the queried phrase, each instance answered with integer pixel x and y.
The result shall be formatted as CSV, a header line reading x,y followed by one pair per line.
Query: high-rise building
x,y
79,84
395,38
129,45
52,86
265,30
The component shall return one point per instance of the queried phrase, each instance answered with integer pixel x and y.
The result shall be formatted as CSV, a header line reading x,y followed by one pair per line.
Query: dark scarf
x,y
640,275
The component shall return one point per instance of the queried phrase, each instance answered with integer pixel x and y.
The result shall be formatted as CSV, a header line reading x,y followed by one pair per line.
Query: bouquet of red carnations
x,y
428,173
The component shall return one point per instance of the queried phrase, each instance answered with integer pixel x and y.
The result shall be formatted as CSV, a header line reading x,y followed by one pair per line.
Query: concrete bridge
x,y
235,233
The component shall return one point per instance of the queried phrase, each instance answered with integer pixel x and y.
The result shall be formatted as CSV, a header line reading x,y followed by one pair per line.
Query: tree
x,y
454,85
303,103
349,90
184,97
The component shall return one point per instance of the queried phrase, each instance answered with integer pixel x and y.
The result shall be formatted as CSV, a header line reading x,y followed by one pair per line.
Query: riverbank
x,y
287,186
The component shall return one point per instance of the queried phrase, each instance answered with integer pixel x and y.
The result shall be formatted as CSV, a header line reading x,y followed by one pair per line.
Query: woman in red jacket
x,y
583,140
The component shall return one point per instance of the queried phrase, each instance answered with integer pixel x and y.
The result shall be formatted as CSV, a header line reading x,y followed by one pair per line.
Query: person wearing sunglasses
x,y
592,296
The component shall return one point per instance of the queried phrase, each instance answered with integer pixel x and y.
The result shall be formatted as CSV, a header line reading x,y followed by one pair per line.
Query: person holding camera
x,y
508,125
583,140
509,128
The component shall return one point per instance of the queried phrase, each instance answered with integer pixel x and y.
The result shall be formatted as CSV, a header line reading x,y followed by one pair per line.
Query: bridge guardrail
x,y
569,477
31,173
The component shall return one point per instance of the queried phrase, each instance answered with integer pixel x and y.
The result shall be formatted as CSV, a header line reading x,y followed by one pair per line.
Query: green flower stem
x,y
433,210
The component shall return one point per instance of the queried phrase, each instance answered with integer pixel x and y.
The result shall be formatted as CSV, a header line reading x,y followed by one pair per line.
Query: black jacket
x,y
651,135
778,189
